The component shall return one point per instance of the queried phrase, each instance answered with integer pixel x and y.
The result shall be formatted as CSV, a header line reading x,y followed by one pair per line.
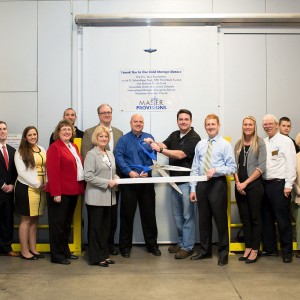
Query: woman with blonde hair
x,y
250,155
100,175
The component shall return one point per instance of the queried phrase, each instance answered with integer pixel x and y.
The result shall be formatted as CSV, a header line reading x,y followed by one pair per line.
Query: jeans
x,y
184,217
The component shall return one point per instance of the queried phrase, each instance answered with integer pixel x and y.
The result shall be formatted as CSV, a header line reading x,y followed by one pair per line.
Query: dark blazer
x,y
87,144
62,171
8,176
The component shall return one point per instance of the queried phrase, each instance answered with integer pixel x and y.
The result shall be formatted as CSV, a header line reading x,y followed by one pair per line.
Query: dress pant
x,y
249,206
144,196
212,202
6,221
60,216
99,218
276,207
113,223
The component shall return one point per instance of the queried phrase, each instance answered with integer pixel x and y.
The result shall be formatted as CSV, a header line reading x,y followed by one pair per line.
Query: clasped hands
x,y
240,186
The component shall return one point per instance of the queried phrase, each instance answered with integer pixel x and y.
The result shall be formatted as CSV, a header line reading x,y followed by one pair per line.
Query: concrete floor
x,y
144,276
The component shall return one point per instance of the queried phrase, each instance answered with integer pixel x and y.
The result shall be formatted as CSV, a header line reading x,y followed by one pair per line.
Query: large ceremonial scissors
x,y
156,167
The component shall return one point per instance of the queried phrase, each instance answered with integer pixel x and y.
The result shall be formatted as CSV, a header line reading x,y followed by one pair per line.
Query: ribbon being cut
x,y
161,170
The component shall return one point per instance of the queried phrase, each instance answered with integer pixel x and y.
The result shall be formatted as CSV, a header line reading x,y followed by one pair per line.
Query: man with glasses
x,y
278,182
105,117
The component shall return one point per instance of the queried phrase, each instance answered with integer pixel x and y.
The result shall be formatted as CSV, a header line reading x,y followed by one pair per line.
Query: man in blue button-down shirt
x,y
128,153
211,195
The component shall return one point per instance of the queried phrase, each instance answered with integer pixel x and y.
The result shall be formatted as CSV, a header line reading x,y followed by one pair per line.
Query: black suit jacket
x,y
8,176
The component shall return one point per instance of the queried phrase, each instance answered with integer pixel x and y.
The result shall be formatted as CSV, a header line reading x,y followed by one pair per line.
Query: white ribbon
x,y
161,179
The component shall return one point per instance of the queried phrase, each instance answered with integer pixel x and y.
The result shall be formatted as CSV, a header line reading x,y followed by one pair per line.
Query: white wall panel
x,y
18,51
193,49
283,81
279,6
54,64
244,81
18,110
150,6
108,50
239,6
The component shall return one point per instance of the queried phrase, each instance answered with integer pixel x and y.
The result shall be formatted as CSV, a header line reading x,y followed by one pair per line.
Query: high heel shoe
x,y
244,258
251,261
28,258
38,255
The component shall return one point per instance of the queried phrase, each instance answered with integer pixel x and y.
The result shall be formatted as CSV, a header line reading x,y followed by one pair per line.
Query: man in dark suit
x,y
70,114
8,176
105,116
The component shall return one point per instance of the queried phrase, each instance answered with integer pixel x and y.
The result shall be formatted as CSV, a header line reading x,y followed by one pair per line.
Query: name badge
x,y
274,152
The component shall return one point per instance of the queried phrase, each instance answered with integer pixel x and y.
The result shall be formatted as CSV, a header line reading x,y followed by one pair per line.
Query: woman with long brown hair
x,y
30,161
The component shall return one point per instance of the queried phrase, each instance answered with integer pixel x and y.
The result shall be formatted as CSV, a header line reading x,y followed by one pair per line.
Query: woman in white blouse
x,y
30,161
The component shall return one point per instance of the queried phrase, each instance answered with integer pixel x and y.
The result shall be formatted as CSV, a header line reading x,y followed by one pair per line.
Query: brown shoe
x,y
12,254
183,254
174,249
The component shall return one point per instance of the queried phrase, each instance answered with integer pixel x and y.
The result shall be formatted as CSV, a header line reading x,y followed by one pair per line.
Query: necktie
x,y
208,157
5,156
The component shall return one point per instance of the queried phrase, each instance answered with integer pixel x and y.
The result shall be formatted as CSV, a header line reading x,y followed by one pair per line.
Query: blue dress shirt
x,y
222,158
128,152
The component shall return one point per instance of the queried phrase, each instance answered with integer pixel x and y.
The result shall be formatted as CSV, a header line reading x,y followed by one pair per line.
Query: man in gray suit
x,y
105,117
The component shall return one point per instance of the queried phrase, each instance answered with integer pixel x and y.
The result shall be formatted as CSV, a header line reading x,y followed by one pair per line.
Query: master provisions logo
x,y
153,104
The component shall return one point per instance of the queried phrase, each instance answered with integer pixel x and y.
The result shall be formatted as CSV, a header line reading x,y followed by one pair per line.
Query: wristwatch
x,y
161,150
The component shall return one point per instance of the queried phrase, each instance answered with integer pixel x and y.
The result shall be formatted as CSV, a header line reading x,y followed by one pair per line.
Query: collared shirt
x,y
186,144
111,142
281,159
1,146
80,172
128,152
222,158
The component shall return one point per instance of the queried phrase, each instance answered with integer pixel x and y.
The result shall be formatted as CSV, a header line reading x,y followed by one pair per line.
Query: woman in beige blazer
x,y
100,175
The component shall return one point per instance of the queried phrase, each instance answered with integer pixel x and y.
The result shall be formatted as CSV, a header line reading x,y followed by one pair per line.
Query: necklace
x,y
245,154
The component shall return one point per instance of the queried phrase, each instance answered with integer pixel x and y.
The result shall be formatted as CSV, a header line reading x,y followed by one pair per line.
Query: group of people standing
x,y
264,172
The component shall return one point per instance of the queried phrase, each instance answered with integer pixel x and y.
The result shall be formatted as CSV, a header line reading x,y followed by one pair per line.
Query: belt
x,y
273,180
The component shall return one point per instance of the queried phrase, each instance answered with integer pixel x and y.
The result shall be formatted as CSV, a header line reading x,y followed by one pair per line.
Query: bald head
x,y
137,124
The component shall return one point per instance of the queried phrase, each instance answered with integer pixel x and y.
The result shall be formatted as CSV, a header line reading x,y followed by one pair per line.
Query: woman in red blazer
x,y
65,183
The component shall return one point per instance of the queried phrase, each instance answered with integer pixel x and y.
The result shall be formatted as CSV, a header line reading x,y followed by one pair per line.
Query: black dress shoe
x,y
200,256
72,257
287,259
110,262
103,264
265,253
60,261
298,255
28,258
38,255
155,251
223,261
125,253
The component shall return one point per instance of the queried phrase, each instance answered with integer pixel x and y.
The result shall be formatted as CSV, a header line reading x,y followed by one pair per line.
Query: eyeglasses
x,y
268,124
108,113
